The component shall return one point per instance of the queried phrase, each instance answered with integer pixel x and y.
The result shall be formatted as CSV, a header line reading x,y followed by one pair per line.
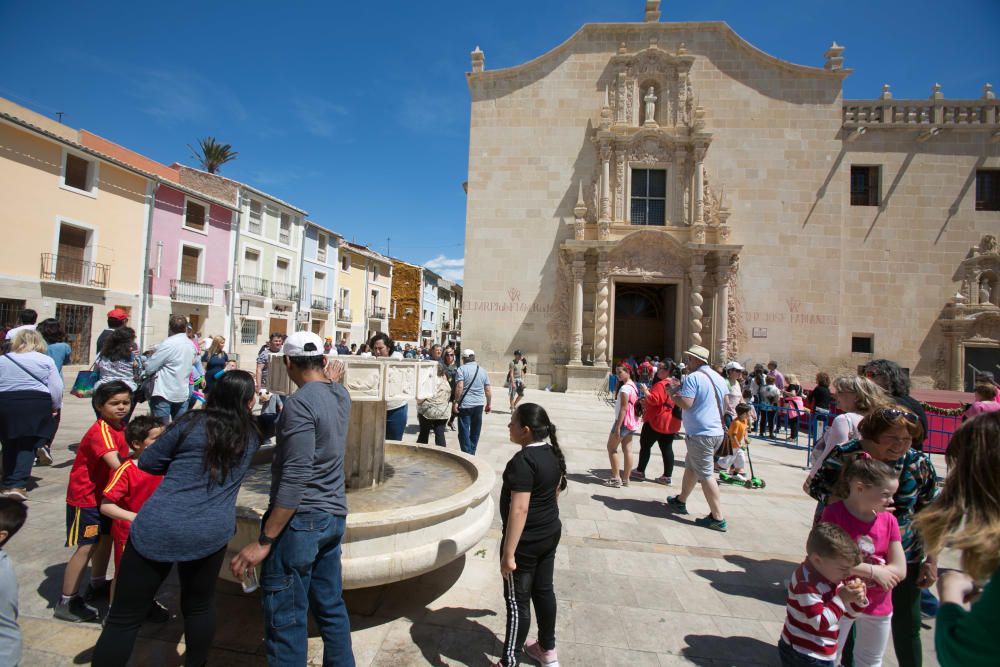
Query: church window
x,y
865,185
649,196
988,189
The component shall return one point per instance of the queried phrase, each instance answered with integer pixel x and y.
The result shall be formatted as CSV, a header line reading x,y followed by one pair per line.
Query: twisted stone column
x,y
699,186
576,337
697,278
601,338
605,183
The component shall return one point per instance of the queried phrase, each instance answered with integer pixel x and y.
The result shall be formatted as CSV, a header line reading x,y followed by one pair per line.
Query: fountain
x,y
411,508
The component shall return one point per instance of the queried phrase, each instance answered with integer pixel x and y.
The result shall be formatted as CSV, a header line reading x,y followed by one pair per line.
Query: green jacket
x,y
965,638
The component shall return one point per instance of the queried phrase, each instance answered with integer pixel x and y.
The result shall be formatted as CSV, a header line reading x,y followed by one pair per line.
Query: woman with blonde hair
x,y
857,397
966,517
214,361
31,390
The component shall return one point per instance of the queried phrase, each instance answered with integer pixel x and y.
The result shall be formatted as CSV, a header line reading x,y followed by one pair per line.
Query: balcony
x,y
62,269
323,303
377,313
253,286
189,292
344,315
284,292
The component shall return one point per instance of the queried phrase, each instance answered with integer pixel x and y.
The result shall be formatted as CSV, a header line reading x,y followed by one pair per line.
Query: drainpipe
x,y
302,276
151,189
234,283
364,314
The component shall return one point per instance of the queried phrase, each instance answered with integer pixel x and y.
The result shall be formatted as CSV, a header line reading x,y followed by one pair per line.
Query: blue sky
x,y
358,112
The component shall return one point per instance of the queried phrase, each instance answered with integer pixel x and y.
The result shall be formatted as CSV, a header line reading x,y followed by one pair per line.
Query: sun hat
x,y
698,352
302,344
734,366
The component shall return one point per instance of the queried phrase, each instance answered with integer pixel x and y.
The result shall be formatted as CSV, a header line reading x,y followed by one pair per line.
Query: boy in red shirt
x,y
127,490
99,453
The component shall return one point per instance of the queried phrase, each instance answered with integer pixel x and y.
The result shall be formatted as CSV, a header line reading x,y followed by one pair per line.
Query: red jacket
x,y
657,410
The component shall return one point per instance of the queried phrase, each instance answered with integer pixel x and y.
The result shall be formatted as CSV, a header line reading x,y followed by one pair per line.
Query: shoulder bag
x,y
726,448
468,387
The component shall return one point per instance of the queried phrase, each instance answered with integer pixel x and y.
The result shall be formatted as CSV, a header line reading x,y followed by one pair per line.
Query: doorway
x,y
279,325
76,321
645,320
985,359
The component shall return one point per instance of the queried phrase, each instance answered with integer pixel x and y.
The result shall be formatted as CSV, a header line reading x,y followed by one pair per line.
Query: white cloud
x,y
447,268
318,116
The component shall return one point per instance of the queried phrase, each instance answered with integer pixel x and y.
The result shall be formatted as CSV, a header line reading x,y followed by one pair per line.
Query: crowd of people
x,y
158,491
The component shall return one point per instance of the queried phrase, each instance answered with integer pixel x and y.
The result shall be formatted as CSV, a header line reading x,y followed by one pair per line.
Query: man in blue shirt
x,y
700,398
472,396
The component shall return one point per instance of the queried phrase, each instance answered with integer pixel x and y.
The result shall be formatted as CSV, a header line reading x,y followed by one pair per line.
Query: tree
x,y
213,154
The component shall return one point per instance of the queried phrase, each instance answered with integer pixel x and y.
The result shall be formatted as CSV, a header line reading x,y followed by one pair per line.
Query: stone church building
x,y
645,186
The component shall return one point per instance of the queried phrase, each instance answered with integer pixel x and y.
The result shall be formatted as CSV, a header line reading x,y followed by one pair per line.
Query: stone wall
x,y
404,308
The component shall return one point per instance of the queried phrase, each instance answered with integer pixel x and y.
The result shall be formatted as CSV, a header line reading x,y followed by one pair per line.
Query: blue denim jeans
x,y
18,459
395,422
302,573
166,411
470,423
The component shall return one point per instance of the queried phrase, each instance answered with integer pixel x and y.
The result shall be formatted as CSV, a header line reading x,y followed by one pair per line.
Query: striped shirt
x,y
917,489
90,473
812,614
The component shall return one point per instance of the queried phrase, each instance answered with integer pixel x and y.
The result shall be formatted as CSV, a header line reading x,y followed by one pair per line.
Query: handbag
x,y
86,381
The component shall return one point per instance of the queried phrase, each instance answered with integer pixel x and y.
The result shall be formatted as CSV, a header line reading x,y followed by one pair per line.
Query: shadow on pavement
x,y
762,580
651,508
715,650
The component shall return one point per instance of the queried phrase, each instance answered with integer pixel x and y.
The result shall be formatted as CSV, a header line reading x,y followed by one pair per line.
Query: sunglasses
x,y
892,414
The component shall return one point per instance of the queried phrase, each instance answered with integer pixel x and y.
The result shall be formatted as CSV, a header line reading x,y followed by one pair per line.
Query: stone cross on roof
x,y
652,11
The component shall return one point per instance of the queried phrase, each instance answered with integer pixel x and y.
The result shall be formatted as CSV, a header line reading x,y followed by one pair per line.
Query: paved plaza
x,y
636,585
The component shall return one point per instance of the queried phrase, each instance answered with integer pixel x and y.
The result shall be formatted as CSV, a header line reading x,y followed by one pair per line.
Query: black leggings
x,y
428,425
530,583
666,441
134,593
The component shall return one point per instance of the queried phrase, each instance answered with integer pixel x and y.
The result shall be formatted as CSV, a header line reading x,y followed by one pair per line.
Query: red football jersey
x,y
89,473
129,488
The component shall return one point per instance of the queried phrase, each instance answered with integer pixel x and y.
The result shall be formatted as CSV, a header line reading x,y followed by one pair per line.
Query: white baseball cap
x,y
734,366
303,344
468,352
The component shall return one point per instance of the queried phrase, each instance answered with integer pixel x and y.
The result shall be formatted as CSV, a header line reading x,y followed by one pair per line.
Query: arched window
x,y
636,306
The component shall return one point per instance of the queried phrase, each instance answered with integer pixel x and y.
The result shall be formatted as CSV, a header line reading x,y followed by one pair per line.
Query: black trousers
x,y
428,425
647,437
137,585
530,583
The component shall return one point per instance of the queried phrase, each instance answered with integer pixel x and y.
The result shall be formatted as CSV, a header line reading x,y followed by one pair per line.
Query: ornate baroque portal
x,y
648,213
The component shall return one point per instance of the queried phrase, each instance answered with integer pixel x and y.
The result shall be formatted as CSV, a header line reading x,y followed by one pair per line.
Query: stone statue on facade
x,y
650,100
984,292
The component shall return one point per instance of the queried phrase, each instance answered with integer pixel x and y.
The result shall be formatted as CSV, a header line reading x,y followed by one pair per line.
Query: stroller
x,y
753,482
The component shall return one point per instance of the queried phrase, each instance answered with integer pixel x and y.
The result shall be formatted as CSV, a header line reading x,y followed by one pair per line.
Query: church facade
x,y
646,186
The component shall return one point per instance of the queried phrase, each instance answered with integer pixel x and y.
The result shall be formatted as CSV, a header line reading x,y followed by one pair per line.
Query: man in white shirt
x,y
172,364
28,319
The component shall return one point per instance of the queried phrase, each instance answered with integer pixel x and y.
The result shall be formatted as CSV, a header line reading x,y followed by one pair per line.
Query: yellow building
x,y
74,224
363,294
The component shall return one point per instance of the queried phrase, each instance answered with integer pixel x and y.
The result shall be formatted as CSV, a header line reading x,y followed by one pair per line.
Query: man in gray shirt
x,y
300,541
472,396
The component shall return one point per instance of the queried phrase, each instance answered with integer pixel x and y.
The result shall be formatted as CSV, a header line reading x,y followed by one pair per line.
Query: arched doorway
x,y
644,320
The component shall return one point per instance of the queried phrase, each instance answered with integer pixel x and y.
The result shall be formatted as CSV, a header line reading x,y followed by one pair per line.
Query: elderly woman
x,y
888,434
30,394
433,412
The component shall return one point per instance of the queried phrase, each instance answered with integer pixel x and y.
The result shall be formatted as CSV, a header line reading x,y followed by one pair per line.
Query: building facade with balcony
x,y
450,309
404,303
365,284
75,226
430,310
320,280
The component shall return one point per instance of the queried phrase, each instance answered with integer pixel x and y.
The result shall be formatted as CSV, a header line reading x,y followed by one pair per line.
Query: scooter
x,y
753,482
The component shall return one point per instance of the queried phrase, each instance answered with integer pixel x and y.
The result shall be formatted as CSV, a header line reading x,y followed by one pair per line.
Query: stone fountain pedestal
x,y
411,508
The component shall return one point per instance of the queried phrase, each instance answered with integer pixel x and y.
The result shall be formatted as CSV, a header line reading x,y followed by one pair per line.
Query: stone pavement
x,y
636,585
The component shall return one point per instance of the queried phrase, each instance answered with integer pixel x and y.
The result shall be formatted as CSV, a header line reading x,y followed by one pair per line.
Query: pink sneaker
x,y
545,658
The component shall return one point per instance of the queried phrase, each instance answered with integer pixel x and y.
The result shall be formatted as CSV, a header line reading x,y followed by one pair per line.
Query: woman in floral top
x,y
888,434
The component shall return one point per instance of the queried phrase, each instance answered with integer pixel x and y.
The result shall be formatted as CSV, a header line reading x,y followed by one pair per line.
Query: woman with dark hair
x,y
59,350
396,409
117,358
894,380
189,520
529,509
888,434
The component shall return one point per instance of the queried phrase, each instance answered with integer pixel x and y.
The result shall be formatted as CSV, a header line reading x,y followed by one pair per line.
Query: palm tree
x,y
213,154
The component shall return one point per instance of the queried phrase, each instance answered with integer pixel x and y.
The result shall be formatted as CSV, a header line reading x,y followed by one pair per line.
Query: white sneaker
x,y
545,658
740,476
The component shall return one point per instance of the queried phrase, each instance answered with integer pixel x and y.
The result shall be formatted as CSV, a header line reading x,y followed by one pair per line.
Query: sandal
x,y
613,482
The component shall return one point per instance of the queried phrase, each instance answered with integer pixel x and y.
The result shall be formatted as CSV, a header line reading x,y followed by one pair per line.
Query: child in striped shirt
x,y
818,598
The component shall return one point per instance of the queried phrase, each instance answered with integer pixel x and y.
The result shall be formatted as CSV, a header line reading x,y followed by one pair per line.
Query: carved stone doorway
x,y
645,320
980,358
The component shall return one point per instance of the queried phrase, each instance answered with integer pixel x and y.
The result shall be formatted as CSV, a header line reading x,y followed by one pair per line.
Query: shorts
x,y
85,525
623,431
700,458
516,388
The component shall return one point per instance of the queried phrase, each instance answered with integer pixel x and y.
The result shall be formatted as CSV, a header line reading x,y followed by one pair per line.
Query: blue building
x,y
430,313
317,301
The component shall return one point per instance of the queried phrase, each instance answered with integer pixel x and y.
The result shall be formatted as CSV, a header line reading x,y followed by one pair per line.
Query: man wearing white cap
x,y
302,531
700,398
473,395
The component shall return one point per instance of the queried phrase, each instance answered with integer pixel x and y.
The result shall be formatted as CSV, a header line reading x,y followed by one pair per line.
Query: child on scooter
x,y
736,463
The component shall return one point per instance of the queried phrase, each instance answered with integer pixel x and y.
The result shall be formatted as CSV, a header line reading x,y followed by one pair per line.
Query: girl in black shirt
x,y
531,528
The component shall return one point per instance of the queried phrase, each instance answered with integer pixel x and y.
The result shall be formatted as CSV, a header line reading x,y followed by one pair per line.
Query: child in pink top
x,y
868,487
986,401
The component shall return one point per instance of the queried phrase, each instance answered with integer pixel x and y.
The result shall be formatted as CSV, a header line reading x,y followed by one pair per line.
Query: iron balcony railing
x,y
343,314
189,292
323,303
60,268
377,313
253,286
284,292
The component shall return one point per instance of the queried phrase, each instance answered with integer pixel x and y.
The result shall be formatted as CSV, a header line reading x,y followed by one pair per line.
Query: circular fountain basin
x,y
433,505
